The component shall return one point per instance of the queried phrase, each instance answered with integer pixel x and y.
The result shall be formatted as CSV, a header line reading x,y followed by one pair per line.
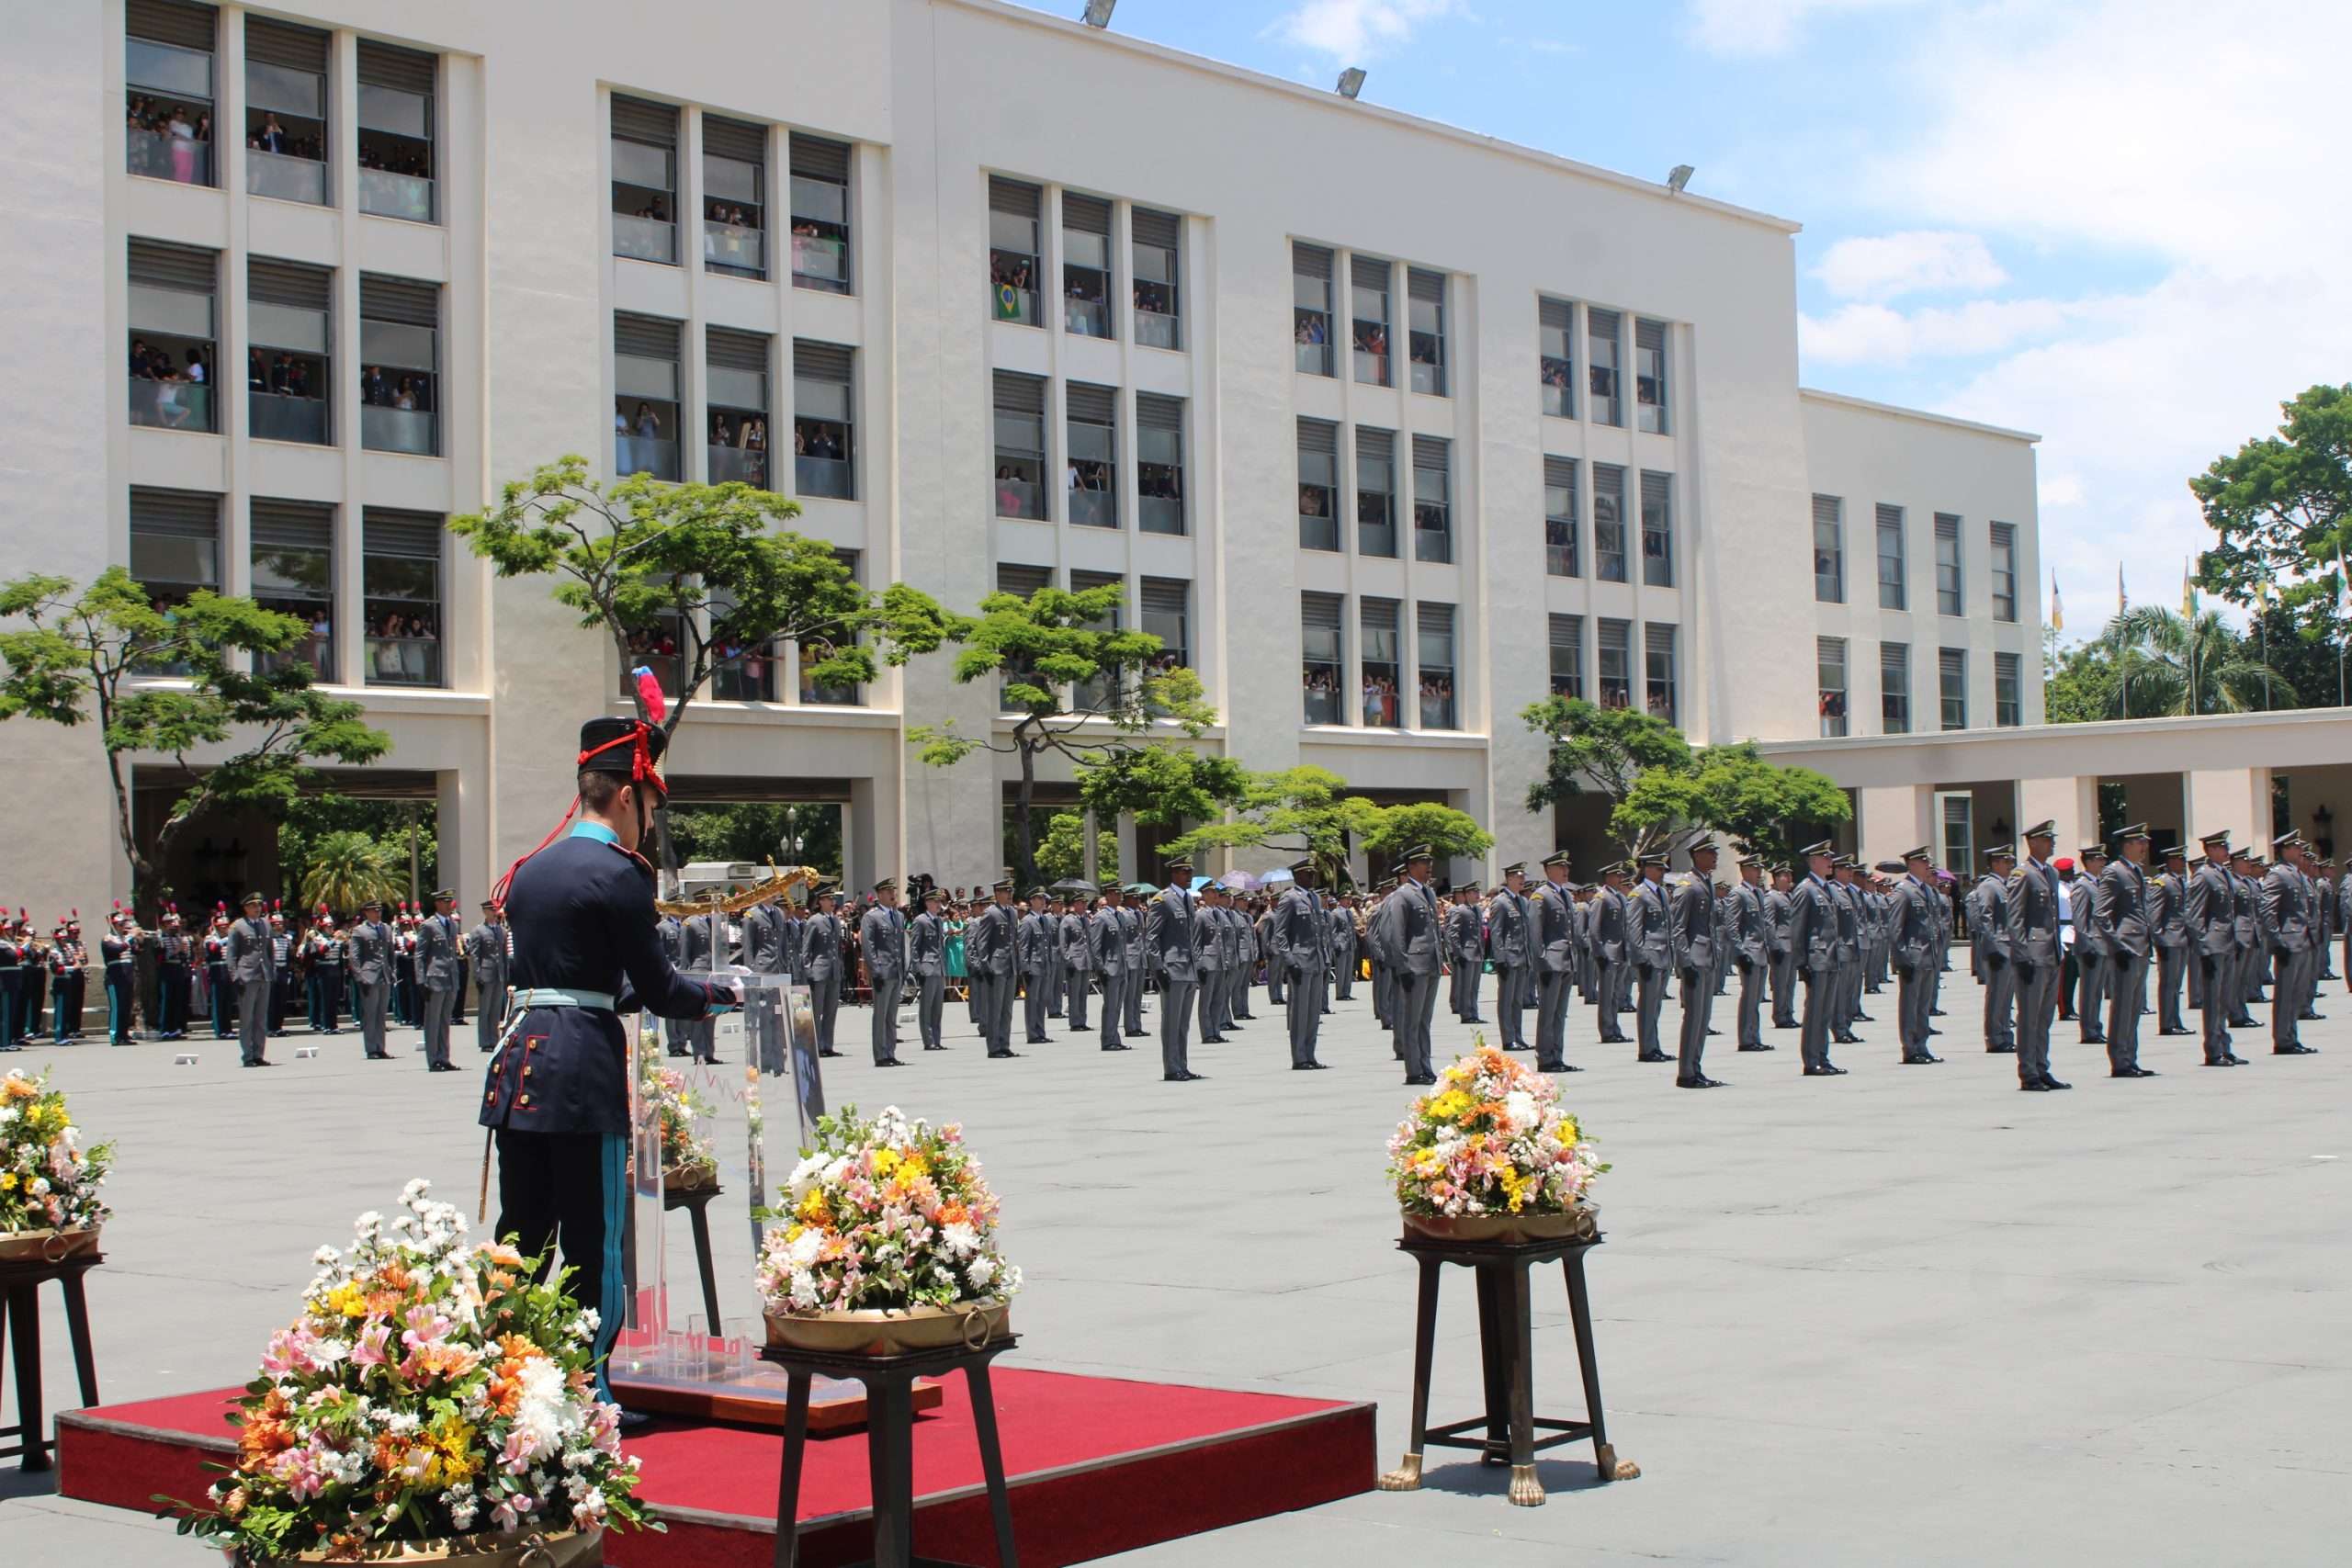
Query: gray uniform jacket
x,y
2124,909
1464,934
926,944
2286,908
1647,925
2207,911
1915,925
1988,918
1038,937
2249,917
1297,936
249,956
2168,909
436,953
1508,929
1611,921
486,951
2090,925
1078,948
1779,914
1211,941
1751,931
1692,923
371,953
1557,930
1106,940
1167,932
820,946
1405,929
764,931
2033,913
1812,924
882,935
1343,932
988,942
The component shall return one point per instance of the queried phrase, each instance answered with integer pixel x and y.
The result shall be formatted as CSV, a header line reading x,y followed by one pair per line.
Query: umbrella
x,y
1144,889
1280,874
1077,884
1198,883
1240,880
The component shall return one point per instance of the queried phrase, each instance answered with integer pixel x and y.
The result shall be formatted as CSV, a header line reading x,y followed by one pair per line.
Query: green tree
x,y
2077,683
1077,686
759,832
2165,663
406,831
1599,751
1306,810
347,868
1159,783
1386,831
1731,790
1061,854
102,653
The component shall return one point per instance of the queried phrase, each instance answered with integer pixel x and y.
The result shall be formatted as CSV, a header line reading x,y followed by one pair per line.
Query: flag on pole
x,y
2343,583
2057,606
2122,600
2189,589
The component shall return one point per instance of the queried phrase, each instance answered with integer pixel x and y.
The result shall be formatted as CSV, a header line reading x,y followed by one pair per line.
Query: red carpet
x,y
1096,1466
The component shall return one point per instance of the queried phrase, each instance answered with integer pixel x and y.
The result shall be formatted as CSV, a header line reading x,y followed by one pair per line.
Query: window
x,y
1603,330
1383,668
1310,288
1435,653
1959,838
1425,301
1658,530
1894,688
1012,251
1609,521
661,648
1890,593
1375,492
1657,643
168,81
645,396
1433,499
1086,266
741,672
1560,556
824,449
645,180
735,388
1319,485
1159,321
1555,368
2004,571
293,564
174,548
1568,656
1324,671
1370,332
173,335
400,572
1649,375
1616,664
1951,677
1167,603
816,647
289,365
286,111
1093,455
2008,691
1160,463
1017,670
734,197
400,365
1020,482
1829,658
821,215
1829,550
1950,598
1096,695
396,131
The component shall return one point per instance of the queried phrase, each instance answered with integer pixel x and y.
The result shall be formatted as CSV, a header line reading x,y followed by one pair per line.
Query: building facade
x,y
1386,429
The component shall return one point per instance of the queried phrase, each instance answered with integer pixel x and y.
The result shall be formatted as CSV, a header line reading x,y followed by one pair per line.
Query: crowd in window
x,y
169,141
398,161
178,396
284,375
812,438
404,645
749,434
275,137
1311,331
721,212
380,390
654,211
646,426
1088,475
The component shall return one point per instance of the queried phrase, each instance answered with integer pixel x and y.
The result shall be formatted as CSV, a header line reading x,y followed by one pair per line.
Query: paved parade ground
x,y
1908,1315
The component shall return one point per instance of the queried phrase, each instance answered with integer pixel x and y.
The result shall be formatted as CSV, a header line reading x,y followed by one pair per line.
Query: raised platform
x,y
1096,1465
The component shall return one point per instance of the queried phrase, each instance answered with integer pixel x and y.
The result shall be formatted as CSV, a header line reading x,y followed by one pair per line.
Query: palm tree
x,y
2168,664
348,869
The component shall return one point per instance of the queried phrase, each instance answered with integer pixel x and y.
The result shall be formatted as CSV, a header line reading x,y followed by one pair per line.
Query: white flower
x,y
1520,1107
961,1239
980,1272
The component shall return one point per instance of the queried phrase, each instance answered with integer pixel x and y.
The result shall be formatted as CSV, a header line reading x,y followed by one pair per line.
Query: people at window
x,y
396,160
168,141
648,424
403,646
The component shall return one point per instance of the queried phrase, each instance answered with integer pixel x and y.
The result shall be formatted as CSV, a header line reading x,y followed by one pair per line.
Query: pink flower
x,y
287,1352
426,1326
368,1351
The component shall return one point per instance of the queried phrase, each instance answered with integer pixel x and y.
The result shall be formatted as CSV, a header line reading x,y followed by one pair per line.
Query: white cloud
x,y
1883,266
1879,334
1352,31
1761,27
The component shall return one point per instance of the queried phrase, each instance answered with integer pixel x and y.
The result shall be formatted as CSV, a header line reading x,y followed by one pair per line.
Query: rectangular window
x,y
174,335
645,396
1959,839
290,368
1013,267
1093,455
2004,571
1603,328
1324,673
1020,445
1319,485
821,215
734,197
1375,492
1433,499
1561,557
1952,680
1021,581
1663,690
1310,286
1609,523
1086,266
1829,658
1160,463
286,111
396,131
824,445
645,180
1435,651
1096,695
1892,595
1894,688
1369,292
735,373
1159,321
1384,665
1167,603
817,646
1829,550
2008,691
401,585
1649,375
1425,299
1658,530
293,565
1616,664
174,543
167,77
741,672
400,365
1556,368
1568,656
1951,599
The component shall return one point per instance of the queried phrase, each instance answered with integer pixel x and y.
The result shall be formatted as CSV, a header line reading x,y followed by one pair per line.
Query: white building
x,y
1388,428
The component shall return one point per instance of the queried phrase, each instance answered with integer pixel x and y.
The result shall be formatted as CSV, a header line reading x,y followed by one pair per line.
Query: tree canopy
x,y
1599,751
1306,811
2153,662
2282,505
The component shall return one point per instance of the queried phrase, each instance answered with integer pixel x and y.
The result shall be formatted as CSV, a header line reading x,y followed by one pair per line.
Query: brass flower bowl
x,y
1582,1222
48,1246
891,1331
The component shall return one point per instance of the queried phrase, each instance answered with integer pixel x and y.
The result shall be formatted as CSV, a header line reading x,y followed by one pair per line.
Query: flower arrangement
x,y
430,1390
48,1181
1490,1139
687,1160
887,1213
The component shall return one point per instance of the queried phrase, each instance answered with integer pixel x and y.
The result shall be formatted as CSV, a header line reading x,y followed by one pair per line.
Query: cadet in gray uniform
x,y
1691,934
2169,902
1465,955
1988,940
882,937
990,950
1167,932
1208,962
1648,925
436,972
1078,966
371,976
486,955
2034,952
1508,920
1405,939
927,964
2288,906
1343,947
1035,942
1813,936
1135,968
1557,938
1914,949
1298,942
1108,942
2091,949
2125,930
1751,938
1611,949
1846,987
1780,910
2209,914
1274,976
2246,890
251,972
821,962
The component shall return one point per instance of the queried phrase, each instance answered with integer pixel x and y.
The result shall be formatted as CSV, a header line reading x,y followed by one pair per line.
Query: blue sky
x,y
2121,223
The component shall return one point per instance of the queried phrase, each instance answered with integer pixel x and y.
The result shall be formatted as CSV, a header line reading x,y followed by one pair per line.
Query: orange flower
x,y
17,1089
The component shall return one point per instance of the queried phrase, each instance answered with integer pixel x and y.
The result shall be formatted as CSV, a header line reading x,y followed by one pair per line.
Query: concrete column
x,y
2071,801
462,802
2236,801
1891,818
861,836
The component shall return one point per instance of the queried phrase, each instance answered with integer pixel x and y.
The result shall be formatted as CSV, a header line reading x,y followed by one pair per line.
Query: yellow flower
x,y
7,1182
813,1209
885,1161
913,1167
1449,1104
452,1441
348,1300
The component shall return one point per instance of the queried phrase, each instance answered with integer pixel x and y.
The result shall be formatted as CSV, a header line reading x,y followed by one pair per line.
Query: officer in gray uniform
x,y
927,965
1914,949
1208,962
2093,954
991,945
2169,902
1078,965
1750,934
1648,925
1813,937
1611,949
705,944
882,937
1690,935
1558,939
1465,955
2246,894
2034,952
1405,936
251,971
1510,921
2288,904
1988,941
820,963
1344,947
2209,913
2126,931
1845,988
1298,942
1135,969
371,976
486,952
1780,912
670,933
1275,976
1035,942
764,929
1168,933
1109,938
436,972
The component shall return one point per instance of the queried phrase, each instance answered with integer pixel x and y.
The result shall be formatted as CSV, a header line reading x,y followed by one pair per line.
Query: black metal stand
x,y
695,1201
20,1285
889,1443
1506,1336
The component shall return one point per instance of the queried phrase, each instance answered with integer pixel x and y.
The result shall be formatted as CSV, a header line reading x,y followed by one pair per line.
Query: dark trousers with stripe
x,y
569,1191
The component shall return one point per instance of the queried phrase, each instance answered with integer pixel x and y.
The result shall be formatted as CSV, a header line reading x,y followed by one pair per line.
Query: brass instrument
x,y
778,884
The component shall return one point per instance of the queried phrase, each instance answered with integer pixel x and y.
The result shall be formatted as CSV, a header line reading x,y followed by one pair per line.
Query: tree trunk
x,y
1026,860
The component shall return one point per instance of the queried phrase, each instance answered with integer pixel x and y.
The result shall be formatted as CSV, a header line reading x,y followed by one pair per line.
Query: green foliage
x,y
756,832
2151,662
1161,784
1386,831
311,821
1733,791
2282,505
1062,852
2077,683
347,868
1305,811
1599,750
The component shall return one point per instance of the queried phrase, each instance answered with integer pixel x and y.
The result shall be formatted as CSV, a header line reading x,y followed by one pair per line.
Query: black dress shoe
x,y
935,1047
2294,1051
1844,1040
2000,1050
1864,1018
1561,1067
1653,1056
1118,1047
2165,1031
2231,1059
892,1062
2311,1017
2133,1073
1183,1077
1702,1081
1304,1066
1137,1033
828,1052
1759,1046
1825,1071
1422,1080
681,1054
2034,1086
1002,1055
2092,1039
1920,1058
2049,1082
2245,1022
